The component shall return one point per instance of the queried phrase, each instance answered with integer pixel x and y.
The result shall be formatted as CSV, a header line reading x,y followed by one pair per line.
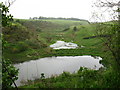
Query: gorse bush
x,y
15,33
18,47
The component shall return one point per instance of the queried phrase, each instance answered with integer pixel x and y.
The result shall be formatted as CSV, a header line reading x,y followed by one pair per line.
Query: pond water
x,y
54,66
63,45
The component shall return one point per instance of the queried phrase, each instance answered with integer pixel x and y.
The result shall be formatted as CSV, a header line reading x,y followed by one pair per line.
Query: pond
x,y
63,45
54,66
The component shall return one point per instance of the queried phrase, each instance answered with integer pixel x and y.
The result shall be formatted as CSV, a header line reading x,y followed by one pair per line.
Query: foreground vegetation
x,y
84,78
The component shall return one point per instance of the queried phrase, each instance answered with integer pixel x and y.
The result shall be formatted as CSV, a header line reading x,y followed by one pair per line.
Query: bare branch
x,y
9,2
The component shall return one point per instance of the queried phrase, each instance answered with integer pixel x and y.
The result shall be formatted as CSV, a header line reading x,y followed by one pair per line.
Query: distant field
x,y
53,30
46,25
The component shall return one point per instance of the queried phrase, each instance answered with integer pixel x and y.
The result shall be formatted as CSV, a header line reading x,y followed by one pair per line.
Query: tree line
x,y
60,18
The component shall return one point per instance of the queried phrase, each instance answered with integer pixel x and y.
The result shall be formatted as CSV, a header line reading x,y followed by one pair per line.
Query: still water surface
x,y
63,45
54,66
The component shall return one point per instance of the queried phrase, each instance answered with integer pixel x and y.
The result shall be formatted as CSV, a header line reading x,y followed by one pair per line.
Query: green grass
x,y
84,78
50,25
43,33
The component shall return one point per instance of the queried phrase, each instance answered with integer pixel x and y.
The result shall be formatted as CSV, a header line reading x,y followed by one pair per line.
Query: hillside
x,y
30,40
27,38
50,24
20,42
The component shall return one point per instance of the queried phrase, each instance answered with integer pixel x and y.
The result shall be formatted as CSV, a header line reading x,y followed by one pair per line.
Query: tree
x,y
6,19
112,28
9,72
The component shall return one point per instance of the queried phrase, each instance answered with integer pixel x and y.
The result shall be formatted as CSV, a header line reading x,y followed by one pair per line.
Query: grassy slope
x,y
48,32
30,39
22,43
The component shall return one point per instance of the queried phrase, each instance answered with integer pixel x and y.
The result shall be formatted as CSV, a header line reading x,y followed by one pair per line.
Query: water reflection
x,y
63,45
54,66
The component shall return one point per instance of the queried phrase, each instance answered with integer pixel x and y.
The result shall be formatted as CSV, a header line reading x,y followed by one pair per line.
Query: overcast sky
x,y
23,9
51,8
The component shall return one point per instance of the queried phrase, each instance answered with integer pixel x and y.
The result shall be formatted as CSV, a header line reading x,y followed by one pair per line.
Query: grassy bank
x,y
84,78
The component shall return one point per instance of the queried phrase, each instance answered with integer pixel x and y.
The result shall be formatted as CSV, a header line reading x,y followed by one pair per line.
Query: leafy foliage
x,y
112,42
6,19
112,27
9,73
84,78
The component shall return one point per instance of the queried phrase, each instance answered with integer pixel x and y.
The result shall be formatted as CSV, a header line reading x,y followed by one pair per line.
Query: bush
x,y
9,74
16,32
17,47
34,44
38,29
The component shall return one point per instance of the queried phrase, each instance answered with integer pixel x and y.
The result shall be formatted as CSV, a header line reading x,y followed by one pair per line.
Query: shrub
x,y
9,74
